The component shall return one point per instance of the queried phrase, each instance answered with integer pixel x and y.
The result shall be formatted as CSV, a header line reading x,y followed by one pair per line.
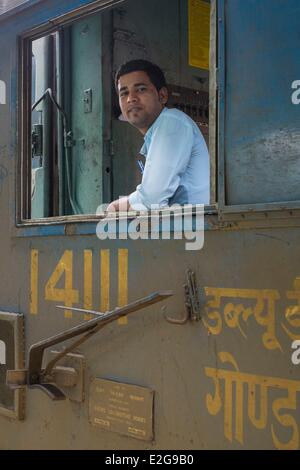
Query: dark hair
x,y
155,74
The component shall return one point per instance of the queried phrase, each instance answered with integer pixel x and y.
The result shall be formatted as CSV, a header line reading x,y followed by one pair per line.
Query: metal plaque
x,y
11,357
122,408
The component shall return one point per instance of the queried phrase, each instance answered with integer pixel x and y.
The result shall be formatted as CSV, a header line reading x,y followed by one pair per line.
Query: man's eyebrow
x,y
140,84
123,88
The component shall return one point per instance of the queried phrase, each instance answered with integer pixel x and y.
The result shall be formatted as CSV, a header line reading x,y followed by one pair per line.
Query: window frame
x,y
23,180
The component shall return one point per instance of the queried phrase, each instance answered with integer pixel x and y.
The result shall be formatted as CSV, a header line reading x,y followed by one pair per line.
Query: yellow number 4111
x,y
67,295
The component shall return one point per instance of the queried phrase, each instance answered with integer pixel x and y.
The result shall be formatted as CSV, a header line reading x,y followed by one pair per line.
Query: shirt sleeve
x,y
167,159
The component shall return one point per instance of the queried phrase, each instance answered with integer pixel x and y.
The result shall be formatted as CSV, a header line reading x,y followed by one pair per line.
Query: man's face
x,y
140,102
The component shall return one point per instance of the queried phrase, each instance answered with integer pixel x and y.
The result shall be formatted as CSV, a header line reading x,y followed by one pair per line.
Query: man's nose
x,y
132,96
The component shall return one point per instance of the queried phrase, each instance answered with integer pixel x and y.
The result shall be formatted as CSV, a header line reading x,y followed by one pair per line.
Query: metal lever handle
x,y
35,377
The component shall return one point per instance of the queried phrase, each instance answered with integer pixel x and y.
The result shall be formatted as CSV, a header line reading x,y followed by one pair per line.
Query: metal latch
x,y
87,100
37,140
68,139
192,303
44,379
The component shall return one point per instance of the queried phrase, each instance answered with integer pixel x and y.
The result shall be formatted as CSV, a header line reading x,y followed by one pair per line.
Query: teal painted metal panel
x,y
87,124
261,130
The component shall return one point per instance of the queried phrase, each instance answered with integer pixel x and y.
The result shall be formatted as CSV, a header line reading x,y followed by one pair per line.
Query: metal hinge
x,y
192,303
68,139
109,148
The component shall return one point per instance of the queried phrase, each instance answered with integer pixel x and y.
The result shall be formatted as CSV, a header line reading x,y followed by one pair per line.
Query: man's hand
x,y
120,205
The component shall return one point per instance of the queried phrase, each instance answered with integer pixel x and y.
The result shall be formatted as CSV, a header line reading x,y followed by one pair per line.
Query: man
x,y
177,160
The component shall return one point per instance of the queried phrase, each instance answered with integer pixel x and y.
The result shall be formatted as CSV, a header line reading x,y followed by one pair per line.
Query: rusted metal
x,y
16,378
192,302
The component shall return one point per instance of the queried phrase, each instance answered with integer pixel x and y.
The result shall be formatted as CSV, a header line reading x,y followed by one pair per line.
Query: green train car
x,y
165,330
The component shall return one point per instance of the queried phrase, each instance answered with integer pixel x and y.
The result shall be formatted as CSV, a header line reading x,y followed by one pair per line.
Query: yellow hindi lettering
x,y
214,404
292,312
265,315
212,311
286,420
259,388
261,422
236,311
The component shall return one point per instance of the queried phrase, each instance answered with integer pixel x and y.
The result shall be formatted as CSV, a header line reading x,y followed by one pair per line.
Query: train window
x,y
259,144
77,151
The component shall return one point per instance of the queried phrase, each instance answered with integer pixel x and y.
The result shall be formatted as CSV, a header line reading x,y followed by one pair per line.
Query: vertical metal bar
x,y
47,112
221,101
213,102
107,57
60,147
67,78
24,181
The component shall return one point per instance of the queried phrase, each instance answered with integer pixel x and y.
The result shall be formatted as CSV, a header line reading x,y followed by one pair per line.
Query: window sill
x,y
79,225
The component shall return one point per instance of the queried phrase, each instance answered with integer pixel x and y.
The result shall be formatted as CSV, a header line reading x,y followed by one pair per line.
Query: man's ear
x,y
163,95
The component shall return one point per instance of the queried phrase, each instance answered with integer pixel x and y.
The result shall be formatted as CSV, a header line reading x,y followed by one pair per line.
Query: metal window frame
x,y
23,174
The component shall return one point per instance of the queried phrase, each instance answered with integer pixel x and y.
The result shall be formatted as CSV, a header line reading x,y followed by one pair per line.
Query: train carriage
x,y
172,329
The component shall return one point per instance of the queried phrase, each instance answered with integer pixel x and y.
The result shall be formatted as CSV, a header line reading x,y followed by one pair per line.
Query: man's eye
x,y
123,93
142,88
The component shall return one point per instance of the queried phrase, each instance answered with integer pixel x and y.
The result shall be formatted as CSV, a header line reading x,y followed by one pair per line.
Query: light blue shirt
x,y
177,164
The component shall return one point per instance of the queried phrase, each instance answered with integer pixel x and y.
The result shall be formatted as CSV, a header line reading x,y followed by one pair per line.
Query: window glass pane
x,y
262,140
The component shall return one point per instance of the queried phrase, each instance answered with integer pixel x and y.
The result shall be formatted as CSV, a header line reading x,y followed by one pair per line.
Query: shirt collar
x,y
148,135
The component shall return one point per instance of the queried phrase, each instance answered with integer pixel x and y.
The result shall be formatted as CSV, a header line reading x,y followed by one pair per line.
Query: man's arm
x,y
166,162
120,205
